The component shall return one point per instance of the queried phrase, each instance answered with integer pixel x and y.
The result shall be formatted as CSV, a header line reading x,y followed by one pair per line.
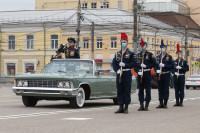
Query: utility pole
x,y
134,45
78,25
92,41
44,43
186,42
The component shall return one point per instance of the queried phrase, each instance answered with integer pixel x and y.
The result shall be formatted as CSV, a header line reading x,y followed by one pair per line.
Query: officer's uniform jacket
x,y
167,60
182,63
70,52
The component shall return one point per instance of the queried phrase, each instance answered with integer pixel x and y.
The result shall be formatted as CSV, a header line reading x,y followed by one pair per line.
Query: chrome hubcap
x,y
80,98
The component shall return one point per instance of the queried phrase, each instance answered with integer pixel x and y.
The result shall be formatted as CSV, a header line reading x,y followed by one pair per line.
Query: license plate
x,y
193,80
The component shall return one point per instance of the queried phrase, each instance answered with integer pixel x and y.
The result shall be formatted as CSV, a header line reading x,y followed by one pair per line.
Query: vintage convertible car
x,y
75,80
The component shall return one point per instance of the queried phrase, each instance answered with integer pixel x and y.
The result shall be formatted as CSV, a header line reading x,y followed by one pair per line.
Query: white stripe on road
x,y
77,119
76,111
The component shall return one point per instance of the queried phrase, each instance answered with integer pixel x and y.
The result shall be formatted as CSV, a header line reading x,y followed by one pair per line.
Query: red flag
x,y
178,48
124,36
142,43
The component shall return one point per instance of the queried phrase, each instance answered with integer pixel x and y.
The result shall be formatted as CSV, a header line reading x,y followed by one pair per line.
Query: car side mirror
x,y
97,73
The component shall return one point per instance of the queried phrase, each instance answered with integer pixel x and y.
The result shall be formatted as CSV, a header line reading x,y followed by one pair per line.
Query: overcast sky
x,y
12,5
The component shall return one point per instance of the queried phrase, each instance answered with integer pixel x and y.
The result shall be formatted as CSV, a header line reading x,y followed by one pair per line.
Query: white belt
x,y
145,70
126,69
164,72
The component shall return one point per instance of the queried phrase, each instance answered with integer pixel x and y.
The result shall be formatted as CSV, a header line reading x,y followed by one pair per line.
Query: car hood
x,y
53,76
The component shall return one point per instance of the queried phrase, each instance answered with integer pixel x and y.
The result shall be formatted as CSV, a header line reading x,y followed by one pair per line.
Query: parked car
x,y
193,81
75,80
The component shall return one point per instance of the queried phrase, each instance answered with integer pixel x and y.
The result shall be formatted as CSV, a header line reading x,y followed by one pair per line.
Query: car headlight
x,y
22,83
60,84
25,83
67,84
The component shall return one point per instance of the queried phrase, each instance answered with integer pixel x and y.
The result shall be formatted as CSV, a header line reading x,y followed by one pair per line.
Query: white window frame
x,y
7,61
93,5
157,44
84,5
99,43
54,40
29,61
30,41
114,43
86,43
104,5
9,42
174,46
170,45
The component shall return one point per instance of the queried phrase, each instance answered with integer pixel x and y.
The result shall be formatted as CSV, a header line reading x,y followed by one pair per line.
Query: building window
x,y
99,42
113,42
85,43
167,43
93,5
11,42
11,69
105,5
158,42
153,43
84,5
148,41
29,42
54,41
29,68
170,45
119,4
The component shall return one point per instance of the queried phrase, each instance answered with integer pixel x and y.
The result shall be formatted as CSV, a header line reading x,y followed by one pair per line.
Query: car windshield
x,y
70,67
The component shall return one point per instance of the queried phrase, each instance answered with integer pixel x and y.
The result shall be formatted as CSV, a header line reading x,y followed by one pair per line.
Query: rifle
x,y
142,68
120,78
160,67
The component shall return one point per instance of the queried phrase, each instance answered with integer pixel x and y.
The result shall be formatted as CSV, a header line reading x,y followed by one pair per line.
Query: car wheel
x,y
194,87
29,101
187,87
79,100
115,101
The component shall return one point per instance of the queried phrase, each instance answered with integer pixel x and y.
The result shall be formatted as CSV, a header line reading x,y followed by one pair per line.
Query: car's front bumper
x,y
40,91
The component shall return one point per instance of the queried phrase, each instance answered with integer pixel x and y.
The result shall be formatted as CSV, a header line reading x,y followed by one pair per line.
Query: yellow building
x,y
30,38
85,4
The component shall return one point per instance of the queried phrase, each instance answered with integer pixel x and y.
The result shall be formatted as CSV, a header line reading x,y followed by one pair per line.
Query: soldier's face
x,y
71,44
179,55
124,41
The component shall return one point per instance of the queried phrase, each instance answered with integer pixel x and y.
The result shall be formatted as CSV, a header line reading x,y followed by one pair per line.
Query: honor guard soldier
x,y
71,51
122,63
163,70
181,67
145,62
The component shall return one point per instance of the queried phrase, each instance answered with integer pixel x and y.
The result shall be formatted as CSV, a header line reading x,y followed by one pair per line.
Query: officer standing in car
x,y
122,63
181,67
163,70
145,62
70,51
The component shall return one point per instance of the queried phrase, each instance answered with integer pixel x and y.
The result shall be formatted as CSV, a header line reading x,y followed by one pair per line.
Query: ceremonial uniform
x,y
179,80
145,82
163,83
124,88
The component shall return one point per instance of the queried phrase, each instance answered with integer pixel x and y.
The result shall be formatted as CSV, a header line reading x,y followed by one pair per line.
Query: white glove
x,y
177,74
158,71
162,65
178,67
140,73
143,65
119,71
122,64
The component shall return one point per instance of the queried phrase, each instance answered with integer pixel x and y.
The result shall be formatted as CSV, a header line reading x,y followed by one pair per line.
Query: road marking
x,y
10,101
77,119
76,111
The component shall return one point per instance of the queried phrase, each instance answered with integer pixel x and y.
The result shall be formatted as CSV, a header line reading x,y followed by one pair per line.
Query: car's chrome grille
x,y
42,83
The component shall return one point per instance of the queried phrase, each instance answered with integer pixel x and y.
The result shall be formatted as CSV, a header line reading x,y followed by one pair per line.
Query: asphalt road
x,y
98,116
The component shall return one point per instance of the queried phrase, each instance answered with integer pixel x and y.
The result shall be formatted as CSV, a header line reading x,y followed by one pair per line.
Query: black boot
x,y
126,109
146,106
177,102
121,109
181,102
161,104
141,106
165,104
